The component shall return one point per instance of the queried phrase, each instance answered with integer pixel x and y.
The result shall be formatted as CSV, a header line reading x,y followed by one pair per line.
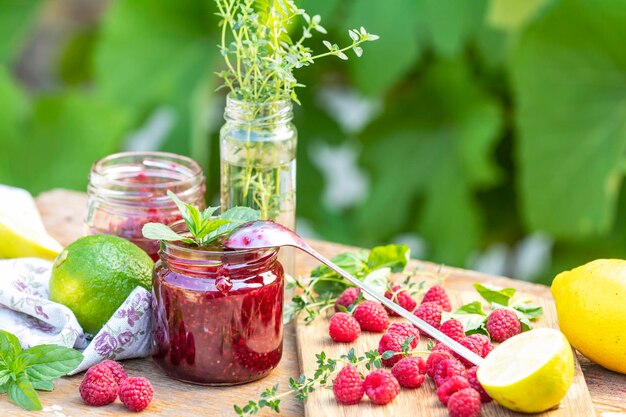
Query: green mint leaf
x,y
353,263
208,212
378,281
525,323
4,388
43,385
471,308
190,214
495,294
22,393
45,362
9,349
236,216
392,256
530,311
471,316
158,231
211,226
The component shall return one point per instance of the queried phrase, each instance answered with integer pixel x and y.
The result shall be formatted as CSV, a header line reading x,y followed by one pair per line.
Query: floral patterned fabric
x,y
27,312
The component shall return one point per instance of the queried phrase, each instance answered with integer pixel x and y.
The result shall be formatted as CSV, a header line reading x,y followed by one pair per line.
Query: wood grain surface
x,y
422,401
62,212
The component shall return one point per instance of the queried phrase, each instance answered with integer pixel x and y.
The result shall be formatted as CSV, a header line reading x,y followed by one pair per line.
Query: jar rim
x,y
198,254
109,176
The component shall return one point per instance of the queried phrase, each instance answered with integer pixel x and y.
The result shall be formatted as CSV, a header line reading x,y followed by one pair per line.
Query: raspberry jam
x,y
217,314
128,190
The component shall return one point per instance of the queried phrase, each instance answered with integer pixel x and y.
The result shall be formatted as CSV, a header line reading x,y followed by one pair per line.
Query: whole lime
x,y
94,275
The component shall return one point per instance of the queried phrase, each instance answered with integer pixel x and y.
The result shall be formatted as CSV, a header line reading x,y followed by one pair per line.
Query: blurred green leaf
x,y
451,23
16,17
571,89
60,140
389,59
441,154
76,61
155,54
513,14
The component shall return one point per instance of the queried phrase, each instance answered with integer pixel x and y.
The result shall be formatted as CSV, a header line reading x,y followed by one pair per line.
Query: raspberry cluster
x,y
455,378
104,382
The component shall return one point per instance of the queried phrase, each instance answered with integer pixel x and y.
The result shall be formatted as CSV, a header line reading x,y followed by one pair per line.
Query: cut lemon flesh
x,y
530,372
22,233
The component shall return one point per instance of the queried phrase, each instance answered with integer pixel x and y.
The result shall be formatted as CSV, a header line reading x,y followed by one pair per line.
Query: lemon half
x,y
22,233
530,372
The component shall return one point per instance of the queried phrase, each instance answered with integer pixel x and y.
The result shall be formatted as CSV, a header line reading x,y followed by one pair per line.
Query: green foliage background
x,y
499,117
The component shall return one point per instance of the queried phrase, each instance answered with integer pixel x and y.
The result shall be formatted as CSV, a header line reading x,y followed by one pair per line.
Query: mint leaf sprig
x,y
327,368
22,372
203,226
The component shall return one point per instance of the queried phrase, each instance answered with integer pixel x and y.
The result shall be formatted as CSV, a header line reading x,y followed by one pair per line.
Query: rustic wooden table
x,y
62,213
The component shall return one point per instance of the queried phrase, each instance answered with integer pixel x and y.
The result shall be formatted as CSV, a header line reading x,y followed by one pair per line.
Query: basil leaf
x,y
45,362
22,393
393,256
43,385
158,231
495,294
377,280
530,311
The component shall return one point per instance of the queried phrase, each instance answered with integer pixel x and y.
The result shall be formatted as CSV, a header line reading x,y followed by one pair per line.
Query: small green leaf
x,y
393,256
190,214
158,231
208,212
45,362
9,349
22,393
471,308
241,214
43,385
495,294
378,281
211,226
529,311
388,354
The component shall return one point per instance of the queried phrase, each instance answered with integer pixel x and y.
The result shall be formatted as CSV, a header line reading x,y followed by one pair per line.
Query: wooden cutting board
x,y
423,402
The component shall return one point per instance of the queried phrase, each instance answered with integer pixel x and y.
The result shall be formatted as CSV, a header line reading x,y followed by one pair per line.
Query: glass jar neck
x,y
272,114
200,262
140,178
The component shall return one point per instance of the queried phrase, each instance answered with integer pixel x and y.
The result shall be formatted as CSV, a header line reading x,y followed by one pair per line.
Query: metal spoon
x,y
266,234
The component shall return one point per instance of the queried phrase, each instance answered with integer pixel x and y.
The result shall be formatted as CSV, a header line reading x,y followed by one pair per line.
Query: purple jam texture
x,y
218,326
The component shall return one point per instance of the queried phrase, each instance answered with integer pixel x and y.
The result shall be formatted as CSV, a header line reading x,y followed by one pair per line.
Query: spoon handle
x,y
413,319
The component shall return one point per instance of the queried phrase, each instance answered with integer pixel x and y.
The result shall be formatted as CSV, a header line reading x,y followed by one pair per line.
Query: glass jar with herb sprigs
x,y
217,313
258,140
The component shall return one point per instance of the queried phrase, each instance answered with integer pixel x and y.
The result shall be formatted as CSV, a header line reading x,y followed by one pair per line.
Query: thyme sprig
x,y
260,53
327,368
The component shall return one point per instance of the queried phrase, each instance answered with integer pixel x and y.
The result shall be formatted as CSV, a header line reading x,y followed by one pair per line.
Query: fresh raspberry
x,y
392,341
433,359
136,393
344,328
347,298
348,386
421,363
407,372
440,347
472,344
381,386
401,297
405,330
453,329
430,313
464,403
116,369
503,324
473,381
446,369
98,386
371,316
487,349
436,294
452,385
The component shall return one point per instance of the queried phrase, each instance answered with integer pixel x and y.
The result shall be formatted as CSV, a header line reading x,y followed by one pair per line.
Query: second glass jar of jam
x,y
127,190
217,314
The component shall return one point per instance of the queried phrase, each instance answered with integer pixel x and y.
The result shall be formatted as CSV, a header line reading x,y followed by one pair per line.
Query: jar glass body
x,y
217,315
129,189
258,162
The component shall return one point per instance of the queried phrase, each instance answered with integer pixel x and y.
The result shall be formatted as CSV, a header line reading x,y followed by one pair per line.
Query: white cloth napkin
x,y
27,312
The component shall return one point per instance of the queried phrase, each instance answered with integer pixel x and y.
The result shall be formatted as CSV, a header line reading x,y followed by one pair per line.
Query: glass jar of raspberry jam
x,y
217,313
127,190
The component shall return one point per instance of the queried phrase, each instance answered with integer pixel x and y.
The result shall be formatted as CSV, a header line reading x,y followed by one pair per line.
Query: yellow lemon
x,y
530,372
591,307
22,233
